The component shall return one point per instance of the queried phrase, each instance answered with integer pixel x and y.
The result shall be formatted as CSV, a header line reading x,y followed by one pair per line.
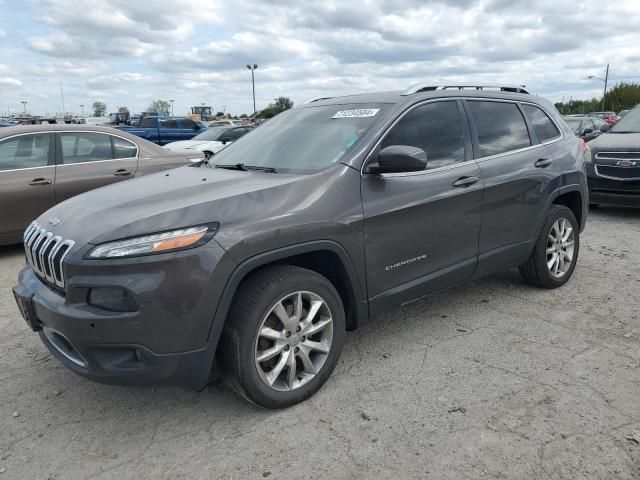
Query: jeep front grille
x,y
46,252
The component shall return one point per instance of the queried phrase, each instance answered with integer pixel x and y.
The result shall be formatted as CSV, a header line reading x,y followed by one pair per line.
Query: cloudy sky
x,y
128,53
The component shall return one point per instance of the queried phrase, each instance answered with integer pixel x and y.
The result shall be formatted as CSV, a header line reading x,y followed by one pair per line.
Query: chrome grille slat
x,y
41,248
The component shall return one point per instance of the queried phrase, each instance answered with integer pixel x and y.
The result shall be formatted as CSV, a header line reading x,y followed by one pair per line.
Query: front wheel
x,y
283,336
554,256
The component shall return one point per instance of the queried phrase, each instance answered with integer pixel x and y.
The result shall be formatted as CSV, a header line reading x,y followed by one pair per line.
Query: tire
x,y
593,206
536,271
255,309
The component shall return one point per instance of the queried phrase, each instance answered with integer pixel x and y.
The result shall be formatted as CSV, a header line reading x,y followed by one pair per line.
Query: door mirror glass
x,y
399,159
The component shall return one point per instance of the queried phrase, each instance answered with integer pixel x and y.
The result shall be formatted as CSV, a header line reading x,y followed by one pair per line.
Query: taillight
x,y
583,145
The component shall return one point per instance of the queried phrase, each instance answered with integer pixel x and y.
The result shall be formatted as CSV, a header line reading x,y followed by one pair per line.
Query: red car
x,y
610,117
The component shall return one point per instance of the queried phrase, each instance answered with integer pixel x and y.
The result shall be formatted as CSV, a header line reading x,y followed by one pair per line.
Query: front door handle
x,y
40,181
465,181
543,162
122,172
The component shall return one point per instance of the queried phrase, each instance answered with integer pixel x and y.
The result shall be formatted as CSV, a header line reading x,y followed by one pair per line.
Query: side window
x,y
124,148
187,123
168,123
25,151
542,124
235,134
148,122
85,147
500,127
436,128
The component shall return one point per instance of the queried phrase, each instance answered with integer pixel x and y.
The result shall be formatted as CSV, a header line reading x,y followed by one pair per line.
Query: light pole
x,y
24,105
605,80
253,84
82,109
172,100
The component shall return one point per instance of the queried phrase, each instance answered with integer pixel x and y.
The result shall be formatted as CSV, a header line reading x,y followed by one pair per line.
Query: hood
x,y
176,198
616,141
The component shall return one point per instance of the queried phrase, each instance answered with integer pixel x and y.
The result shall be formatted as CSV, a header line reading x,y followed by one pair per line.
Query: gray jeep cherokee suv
x,y
257,262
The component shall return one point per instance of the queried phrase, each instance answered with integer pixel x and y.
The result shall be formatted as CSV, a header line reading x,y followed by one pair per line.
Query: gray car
x,y
42,165
259,260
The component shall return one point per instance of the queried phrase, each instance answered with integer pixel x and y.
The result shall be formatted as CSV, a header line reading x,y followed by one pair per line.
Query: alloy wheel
x,y
294,341
560,247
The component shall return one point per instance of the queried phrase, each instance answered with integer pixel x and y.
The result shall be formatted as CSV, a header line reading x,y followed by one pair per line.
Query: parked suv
x,y
327,215
614,170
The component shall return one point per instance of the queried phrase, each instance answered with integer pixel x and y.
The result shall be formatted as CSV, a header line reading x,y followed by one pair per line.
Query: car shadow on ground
x,y
10,250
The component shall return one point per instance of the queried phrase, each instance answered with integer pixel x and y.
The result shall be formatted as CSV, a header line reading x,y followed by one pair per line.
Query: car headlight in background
x,y
155,243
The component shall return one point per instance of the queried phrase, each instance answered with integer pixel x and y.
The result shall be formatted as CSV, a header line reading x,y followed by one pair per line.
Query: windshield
x,y
304,140
574,123
630,123
211,134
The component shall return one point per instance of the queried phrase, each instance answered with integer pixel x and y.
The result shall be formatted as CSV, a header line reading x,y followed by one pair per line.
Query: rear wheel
x,y
283,336
554,256
594,205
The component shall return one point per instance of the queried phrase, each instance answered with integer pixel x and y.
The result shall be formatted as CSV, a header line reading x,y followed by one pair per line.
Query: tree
x,y
283,103
159,106
280,104
621,97
99,108
220,114
244,115
123,110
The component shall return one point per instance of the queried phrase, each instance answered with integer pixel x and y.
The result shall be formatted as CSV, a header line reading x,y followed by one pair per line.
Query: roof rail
x,y
426,87
316,99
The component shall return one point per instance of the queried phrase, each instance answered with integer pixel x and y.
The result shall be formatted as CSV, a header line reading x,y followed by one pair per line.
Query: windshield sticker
x,y
360,113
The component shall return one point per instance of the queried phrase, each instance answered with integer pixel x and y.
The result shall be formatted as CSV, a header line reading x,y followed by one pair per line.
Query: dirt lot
x,y
494,380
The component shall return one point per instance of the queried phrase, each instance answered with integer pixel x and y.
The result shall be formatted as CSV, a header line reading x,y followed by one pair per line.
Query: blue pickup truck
x,y
162,130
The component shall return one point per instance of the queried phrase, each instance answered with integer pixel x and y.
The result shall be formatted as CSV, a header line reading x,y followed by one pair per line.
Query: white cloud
x,y
3,33
130,52
10,82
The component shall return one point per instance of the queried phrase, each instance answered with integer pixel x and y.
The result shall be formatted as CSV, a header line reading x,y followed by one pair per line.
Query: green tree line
x,y
621,97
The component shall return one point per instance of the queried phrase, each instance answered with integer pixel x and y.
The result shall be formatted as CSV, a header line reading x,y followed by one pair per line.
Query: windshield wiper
x,y
246,168
621,131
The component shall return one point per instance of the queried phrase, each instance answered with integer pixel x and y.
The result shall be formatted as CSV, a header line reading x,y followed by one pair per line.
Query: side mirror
x,y
398,159
605,127
587,131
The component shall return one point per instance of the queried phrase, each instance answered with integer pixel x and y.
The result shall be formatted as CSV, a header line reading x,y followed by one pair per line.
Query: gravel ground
x,y
493,379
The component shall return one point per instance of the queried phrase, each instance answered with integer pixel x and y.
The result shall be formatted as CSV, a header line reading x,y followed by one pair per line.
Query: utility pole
x,y
82,109
62,98
253,84
24,105
172,100
606,79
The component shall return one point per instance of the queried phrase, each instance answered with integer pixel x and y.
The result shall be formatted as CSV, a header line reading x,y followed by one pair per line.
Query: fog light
x,y
112,298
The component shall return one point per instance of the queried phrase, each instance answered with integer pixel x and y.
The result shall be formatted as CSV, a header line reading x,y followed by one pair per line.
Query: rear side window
x,y
500,127
25,151
542,124
187,123
123,148
436,128
148,122
235,134
168,123
85,147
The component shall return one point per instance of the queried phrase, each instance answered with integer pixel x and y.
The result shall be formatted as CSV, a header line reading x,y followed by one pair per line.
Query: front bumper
x,y
609,191
166,340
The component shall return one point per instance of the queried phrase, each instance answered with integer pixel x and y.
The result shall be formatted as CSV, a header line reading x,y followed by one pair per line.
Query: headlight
x,y
155,243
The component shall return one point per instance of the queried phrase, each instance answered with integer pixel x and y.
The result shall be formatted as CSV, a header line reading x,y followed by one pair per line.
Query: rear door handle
x,y
122,172
40,181
465,181
543,162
